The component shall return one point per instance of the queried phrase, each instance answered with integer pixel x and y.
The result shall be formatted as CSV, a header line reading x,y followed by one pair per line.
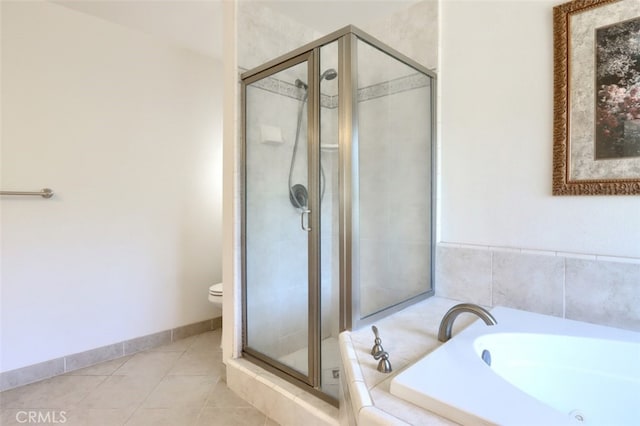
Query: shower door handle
x,y
302,225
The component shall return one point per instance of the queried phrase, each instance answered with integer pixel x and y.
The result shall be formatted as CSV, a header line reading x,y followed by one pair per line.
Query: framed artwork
x,y
596,134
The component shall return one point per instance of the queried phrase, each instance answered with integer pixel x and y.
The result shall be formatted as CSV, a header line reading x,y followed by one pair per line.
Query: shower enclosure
x,y
338,199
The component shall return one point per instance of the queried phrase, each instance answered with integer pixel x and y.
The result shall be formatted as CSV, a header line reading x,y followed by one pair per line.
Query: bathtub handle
x,y
377,343
384,365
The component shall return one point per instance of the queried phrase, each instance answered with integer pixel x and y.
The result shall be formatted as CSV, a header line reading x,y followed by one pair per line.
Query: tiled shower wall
x,y
394,235
277,264
278,245
393,156
591,288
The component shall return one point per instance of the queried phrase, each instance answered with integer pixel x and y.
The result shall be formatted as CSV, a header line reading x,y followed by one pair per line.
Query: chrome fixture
x,y
301,84
298,195
304,227
377,343
329,74
298,192
44,193
384,366
486,357
446,324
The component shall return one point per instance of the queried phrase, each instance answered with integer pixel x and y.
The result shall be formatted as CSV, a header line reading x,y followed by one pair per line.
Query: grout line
x,y
629,260
564,288
569,255
539,252
556,253
491,280
499,249
166,374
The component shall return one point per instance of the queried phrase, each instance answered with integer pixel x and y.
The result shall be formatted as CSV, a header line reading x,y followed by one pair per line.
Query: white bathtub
x,y
544,371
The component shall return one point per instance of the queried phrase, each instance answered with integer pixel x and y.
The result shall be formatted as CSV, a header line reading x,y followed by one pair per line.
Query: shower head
x,y
329,74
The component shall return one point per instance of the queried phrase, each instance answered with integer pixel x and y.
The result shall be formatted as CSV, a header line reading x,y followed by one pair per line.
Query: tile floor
x,y
182,383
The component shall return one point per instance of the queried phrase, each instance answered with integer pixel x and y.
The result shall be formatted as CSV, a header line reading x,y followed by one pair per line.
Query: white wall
x,y
497,111
412,30
127,131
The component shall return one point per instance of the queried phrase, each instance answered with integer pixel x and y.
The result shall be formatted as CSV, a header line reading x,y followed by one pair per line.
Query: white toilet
x,y
215,297
215,294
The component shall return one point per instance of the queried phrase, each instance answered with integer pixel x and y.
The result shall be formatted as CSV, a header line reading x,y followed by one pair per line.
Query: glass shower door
x,y
277,215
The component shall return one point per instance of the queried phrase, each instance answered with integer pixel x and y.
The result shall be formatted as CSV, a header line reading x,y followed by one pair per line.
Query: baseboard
x,y
54,367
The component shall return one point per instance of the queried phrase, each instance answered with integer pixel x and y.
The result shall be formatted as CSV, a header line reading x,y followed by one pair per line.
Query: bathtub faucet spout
x,y
446,324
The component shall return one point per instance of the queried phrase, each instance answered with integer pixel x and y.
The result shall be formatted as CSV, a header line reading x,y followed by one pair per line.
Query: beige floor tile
x,y
148,364
97,417
164,417
211,416
223,397
180,384
271,422
63,392
21,416
198,364
177,346
121,392
73,417
181,392
102,369
8,416
207,343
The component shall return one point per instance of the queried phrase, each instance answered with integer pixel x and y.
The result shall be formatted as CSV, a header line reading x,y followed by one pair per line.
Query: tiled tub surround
x,y
33,373
407,336
596,289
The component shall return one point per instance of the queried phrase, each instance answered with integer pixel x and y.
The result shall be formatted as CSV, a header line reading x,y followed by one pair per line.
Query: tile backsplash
x,y
587,288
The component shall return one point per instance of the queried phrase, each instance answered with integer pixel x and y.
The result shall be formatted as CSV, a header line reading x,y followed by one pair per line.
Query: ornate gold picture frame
x,y
596,133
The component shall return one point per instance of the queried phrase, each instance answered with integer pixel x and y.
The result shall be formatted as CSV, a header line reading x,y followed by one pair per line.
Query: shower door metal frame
x,y
348,168
350,313
313,235
349,300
